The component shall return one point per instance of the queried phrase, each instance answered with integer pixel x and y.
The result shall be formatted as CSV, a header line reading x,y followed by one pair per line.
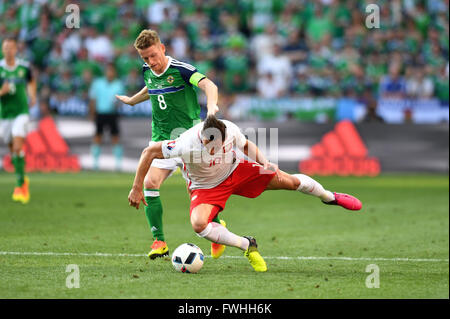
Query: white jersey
x,y
201,169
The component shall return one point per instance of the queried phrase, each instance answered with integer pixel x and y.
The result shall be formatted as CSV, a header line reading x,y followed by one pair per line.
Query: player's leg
x,y
117,151
18,159
154,210
18,132
217,250
115,138
5,133
213,231
307,185
217,233
97,140
17,193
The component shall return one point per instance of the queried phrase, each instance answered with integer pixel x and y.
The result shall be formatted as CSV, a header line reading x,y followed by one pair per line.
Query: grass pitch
x,y
403,229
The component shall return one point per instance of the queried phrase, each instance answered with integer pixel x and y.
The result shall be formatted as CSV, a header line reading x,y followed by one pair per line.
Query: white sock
x,y
312,187
220,235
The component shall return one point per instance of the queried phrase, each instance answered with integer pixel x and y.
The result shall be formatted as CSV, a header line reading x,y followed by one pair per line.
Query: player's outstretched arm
x,y
136,194
212,95
253,152
139,97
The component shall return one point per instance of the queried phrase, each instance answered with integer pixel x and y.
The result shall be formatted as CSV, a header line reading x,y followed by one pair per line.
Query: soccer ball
x,y
187,258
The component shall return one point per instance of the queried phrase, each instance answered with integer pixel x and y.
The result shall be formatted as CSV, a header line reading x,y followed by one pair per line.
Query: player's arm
x,y
161,150
191,76
247,147
254,153
212,95
31,87
148,155
139,97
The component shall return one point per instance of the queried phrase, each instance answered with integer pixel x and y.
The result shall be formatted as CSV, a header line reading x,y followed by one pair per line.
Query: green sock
x,y
118,154
96,151
216,219
154,212
19,168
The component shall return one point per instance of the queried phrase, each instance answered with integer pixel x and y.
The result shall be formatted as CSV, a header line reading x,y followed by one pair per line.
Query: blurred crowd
x,y
268,48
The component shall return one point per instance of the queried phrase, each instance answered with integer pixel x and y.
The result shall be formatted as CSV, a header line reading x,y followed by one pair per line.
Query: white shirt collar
x,y
8,67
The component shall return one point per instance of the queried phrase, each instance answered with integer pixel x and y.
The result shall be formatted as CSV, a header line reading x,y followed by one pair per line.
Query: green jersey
x,y
14,102
174,101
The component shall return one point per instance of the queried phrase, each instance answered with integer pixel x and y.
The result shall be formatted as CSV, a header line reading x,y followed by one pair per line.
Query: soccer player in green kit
x,y
15,80
175,108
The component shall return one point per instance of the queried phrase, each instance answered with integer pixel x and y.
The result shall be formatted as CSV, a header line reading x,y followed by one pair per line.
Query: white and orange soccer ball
x,y
188,258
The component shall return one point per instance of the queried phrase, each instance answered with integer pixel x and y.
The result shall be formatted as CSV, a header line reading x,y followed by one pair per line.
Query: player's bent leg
x,y
212,231
154,211
217,250
218,234
309,186
200,216
312,187
283,181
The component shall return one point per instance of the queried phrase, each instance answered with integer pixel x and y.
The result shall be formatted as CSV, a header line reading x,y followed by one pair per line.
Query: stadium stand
x,y
316,49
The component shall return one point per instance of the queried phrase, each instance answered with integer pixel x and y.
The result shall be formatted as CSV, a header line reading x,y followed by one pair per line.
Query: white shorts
x,y
167,163
17,126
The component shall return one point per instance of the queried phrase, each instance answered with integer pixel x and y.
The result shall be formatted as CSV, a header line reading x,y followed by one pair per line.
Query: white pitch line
x,y
27,253
266,257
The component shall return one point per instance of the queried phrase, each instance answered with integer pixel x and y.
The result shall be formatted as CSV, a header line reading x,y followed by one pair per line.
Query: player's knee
x,y
295,182
16,148
151,184
198,225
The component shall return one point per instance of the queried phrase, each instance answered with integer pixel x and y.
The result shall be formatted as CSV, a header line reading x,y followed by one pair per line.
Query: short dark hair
x,y
211,123
111,65
10,38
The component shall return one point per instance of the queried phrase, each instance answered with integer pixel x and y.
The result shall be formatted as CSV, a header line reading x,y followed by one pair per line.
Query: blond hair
x,y
146,39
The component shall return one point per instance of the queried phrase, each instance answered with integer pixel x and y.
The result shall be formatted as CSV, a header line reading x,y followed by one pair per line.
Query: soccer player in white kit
x,y
214,173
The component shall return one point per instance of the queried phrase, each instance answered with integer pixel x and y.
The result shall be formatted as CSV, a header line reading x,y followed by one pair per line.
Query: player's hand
x,y
5,88
124,99
274,168
136,197
212,110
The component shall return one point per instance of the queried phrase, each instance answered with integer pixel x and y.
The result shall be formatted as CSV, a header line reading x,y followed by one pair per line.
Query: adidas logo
x,y
154,228
341,152
46,151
